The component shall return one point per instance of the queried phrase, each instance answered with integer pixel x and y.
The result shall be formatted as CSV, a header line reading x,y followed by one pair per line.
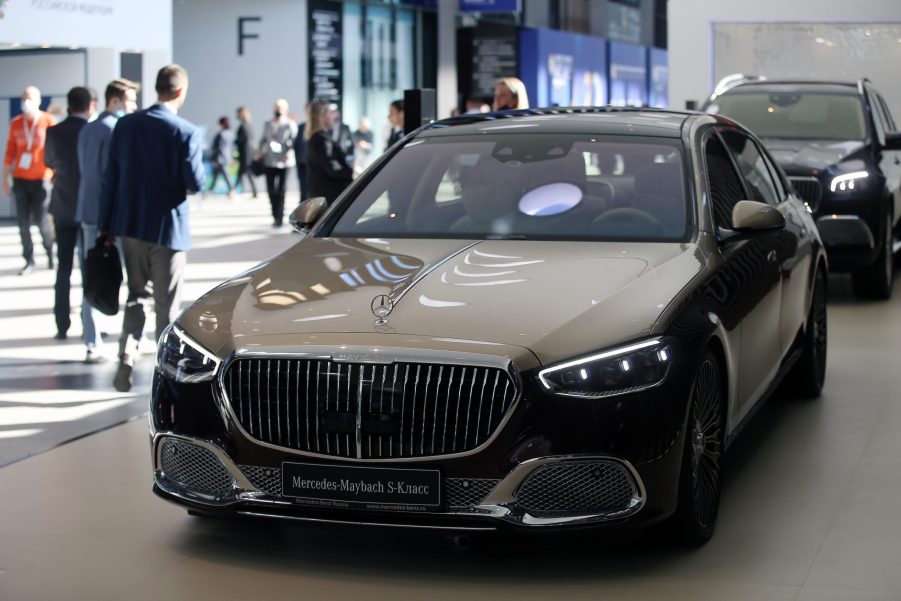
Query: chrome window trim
x,y
366,355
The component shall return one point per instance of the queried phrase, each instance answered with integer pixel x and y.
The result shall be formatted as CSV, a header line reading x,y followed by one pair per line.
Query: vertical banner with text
x,y
325,52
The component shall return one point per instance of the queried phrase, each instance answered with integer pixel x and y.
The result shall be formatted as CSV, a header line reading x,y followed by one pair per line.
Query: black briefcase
x,y
102,278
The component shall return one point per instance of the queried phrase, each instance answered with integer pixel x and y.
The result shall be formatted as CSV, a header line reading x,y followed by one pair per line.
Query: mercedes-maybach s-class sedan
x,y
535,319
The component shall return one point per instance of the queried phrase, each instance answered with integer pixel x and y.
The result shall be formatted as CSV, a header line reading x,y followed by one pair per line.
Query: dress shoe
x,y
123,378
29,268
60,336
50,264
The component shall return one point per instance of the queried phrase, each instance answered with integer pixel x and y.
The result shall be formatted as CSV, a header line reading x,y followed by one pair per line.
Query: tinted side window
x,y
889,121
878,117
781,189
724,183
750,161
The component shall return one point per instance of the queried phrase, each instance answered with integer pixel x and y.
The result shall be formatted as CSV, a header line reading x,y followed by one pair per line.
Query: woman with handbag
x,y
277,153
329,170
244,149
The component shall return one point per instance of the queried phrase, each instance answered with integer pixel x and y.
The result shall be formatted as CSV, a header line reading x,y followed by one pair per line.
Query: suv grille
x,y
809,189
368,411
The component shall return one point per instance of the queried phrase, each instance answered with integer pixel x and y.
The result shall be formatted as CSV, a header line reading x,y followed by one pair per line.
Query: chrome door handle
x,y
771,256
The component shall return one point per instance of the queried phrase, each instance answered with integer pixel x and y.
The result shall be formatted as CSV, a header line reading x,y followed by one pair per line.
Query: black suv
x,y
841,149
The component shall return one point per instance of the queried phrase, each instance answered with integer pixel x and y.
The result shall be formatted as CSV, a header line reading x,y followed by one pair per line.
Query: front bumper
x,y
206,479
632,444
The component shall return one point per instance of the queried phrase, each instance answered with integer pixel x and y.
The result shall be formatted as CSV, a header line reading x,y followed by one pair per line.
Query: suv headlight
x,y
184,359
846,182
617,371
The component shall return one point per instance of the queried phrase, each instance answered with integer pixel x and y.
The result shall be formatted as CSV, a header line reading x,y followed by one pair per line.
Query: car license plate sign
x,y
339,484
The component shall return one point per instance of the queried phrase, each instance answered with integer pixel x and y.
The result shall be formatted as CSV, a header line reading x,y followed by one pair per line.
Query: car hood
x,y
808,157
556,299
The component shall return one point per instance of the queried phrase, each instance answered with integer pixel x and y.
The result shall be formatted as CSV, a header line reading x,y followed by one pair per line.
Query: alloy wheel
x,y
706,442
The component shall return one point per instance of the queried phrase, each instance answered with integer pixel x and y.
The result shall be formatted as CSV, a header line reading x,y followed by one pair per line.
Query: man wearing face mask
x,y
24,160
155,160
277,152
93,146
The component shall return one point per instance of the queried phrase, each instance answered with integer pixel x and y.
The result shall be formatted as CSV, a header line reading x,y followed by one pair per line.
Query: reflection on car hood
x,y
806,157
557,299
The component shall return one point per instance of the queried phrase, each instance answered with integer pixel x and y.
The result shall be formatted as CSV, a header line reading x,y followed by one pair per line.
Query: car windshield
x,y
525,186
795,114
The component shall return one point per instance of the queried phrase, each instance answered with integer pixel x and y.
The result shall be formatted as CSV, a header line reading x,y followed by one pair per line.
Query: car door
x,y
797,254
889,160
756,258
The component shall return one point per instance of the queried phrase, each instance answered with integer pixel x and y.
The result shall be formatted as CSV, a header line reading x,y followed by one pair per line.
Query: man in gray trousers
x,y
93,151
154,161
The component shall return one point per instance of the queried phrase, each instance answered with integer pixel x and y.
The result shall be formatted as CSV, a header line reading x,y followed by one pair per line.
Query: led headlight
x,y
847,181
617,371
184,359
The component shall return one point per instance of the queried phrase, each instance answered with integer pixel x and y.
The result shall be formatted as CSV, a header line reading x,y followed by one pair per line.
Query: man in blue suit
x,y
154,161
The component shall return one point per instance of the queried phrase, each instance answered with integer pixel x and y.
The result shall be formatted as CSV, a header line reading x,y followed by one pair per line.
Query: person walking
x,y
364,138
300,153
510,93
61,155
24,161
223,151
243,148
155,160
93,146
328,168
277,152
396,119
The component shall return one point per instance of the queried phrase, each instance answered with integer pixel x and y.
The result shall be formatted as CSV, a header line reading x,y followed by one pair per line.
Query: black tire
x,y
807,376
875,281
699,482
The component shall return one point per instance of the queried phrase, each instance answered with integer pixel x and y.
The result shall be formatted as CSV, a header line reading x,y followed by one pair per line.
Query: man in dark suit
x,y
61,155
155,160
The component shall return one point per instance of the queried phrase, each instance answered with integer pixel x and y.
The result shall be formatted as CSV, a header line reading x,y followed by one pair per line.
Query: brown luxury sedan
x,y
532,319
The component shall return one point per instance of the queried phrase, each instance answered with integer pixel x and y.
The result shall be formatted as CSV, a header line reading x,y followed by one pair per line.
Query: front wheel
x,y
699,483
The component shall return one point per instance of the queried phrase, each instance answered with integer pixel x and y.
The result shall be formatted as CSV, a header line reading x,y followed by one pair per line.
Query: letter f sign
x,y
242,35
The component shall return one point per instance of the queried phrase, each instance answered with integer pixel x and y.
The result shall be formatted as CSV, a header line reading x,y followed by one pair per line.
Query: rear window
x,y
803,115
525,186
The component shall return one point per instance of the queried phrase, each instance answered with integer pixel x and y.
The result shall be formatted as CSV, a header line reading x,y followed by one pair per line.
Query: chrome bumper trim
x,y
362,523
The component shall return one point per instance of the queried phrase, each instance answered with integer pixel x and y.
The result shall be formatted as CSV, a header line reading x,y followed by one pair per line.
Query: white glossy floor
x,y
811,511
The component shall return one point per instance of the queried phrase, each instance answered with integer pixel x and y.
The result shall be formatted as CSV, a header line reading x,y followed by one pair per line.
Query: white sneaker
x,y
92,357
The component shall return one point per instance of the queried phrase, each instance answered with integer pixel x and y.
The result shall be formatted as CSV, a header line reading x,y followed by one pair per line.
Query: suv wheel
x,y
875,281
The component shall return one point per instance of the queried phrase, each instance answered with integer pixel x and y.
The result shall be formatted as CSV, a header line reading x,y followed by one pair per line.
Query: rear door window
x,y
753,167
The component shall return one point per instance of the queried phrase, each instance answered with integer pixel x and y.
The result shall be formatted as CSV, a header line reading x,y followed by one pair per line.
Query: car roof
x,y
829,87
562,120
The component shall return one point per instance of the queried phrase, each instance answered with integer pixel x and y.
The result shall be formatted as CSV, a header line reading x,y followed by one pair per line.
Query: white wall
x,y
122,24
272,66
690,31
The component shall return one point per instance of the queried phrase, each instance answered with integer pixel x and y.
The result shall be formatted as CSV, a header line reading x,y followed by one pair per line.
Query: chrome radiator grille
x,y
368,411
808,189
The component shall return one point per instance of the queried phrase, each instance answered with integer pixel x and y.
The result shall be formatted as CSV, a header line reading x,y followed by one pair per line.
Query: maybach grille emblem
x,y
381,306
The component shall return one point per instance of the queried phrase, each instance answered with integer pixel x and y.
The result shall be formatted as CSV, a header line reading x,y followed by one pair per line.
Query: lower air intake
x,y
194,468
577,488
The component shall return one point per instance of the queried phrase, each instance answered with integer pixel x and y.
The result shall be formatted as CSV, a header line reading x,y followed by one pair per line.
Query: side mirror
x,y
307,213
752,216
893,141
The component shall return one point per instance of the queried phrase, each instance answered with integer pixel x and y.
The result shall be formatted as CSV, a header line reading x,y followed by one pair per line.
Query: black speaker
x,y
420,107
